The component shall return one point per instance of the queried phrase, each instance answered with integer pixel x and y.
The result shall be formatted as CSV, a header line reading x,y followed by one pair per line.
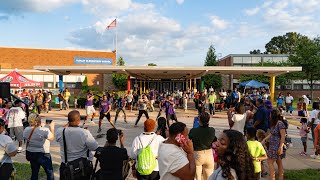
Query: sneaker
x,y
313,156
318,157
99,130
303,154
20,150
93,123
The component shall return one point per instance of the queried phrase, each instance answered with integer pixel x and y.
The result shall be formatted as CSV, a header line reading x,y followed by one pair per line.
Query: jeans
x,y
312,131
5,171
140,114
212,108
38,159
117,114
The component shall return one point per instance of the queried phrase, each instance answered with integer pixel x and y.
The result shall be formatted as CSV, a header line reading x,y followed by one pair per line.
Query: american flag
x,y
112,24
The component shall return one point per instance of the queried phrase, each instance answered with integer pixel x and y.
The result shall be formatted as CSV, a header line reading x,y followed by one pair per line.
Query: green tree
x,y
307,55
152,64
213,80
85,86
256,51
120,80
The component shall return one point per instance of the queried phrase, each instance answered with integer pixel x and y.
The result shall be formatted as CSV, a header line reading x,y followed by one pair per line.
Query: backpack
x,y
146,159
196,122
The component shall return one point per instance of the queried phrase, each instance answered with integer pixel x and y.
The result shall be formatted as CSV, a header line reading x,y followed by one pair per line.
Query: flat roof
x,y
254,55
166,72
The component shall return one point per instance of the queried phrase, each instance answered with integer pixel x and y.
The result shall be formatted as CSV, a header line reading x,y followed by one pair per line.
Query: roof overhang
x,y
165,72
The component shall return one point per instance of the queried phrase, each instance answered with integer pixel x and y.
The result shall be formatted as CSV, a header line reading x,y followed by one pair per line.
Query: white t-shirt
x,y
39,140
78,142
15,116
145,140
314,114
289,99
217,174
6,146
171,158
239,122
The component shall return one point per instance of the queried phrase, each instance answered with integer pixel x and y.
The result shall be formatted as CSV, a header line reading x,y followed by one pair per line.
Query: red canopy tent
x,y
17,80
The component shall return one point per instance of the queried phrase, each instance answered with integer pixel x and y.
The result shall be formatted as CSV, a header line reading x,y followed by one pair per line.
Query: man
x,y
185,101
15,117
170,112
235,97
105,108
143,101
289,101
152,98
121,107
25,96
162,99
79,144
210,89
212,102
260,119
176,160
89,107
148,137
201,103
7,150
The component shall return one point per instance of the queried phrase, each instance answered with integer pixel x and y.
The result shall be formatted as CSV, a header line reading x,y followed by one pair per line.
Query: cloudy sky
x,y
165,32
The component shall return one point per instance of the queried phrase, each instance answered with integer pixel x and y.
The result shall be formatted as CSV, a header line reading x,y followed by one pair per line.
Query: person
x,y
162,127
7,150
67,97
3,113
276,151
176,160
121,107
49,101
235,97
212,100
235,159
201,103
79,145
210,89
61,99
303,131
185,101
237,117
313,119
259,118
39,101
147,138
105,108
130,100
280,99
75,102
261,135
202,138
111,153
143,101
152,96
316,155
25,96
256,150
170,111
38,146
15,116
289,101
89,107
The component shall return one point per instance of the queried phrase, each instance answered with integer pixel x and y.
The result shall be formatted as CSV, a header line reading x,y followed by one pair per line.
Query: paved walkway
x,y
219,122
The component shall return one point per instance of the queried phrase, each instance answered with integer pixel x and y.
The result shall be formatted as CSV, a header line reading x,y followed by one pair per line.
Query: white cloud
x,y
180,1
251,12
218,23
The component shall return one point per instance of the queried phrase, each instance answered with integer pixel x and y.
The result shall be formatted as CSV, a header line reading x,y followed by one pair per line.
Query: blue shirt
x,y
261,115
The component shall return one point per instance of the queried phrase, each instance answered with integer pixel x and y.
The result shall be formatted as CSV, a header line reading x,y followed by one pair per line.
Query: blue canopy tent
x,y
253,84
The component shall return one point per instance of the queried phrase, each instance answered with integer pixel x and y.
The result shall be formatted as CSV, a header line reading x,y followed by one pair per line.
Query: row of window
x,y
243,61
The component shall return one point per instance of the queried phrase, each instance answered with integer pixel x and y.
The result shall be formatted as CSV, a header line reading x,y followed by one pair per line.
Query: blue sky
x,y
165,32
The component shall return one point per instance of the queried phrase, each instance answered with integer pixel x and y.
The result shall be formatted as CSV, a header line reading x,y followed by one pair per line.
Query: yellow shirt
x,y
212,98
67,95
256,150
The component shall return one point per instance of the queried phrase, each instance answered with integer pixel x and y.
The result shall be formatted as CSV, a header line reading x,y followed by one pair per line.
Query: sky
x,y
165,32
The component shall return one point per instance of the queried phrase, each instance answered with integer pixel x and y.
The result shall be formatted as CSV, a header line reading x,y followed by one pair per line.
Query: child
x,y
304,130
256,150
316,155
75,102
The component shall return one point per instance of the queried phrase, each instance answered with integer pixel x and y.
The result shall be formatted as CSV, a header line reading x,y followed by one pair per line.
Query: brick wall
x,y
298,93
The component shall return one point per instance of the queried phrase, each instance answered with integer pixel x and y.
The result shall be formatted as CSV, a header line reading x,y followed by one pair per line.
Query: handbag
x,y
27,144
76,169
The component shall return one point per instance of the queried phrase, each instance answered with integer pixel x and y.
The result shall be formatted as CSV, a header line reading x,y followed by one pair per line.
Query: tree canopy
x,y
212,79
120,80
152,64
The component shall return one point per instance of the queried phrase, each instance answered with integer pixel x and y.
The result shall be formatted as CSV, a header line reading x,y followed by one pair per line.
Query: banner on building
x,y
83,60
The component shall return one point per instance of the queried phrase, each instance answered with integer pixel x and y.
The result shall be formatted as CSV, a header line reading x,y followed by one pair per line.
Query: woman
x,y
235,159
39,101
61,99
314,120
202,138
276,151
38,146
130,100
237,117
280,100
162,127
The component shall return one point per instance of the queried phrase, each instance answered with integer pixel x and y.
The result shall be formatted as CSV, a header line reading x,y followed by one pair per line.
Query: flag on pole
x,y
112,24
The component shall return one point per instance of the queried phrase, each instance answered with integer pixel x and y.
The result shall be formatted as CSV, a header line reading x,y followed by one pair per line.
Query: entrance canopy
x,y
17,80
165,72
253,84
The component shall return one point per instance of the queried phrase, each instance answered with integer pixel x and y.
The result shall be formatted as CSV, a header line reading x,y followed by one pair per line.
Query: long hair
x,y
162,126
237,157
275,116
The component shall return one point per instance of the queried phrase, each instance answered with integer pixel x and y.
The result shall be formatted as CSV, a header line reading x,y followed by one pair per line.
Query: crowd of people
x,y
166,149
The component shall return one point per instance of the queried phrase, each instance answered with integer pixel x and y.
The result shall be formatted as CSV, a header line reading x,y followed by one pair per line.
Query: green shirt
x,y
202,137
212,98
256,150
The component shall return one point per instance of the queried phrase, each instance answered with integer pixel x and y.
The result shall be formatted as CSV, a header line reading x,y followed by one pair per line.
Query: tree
x,y
213,80
307,55
256,51
120,80
85,86
152,64
284,44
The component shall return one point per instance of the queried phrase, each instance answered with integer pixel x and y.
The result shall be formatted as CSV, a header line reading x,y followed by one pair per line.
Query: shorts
x,y
102,115
60,102
172,117
130,103
304,139
17,132
90,110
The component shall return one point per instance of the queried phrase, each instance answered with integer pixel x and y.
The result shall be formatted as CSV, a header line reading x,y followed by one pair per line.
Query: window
x,y
277,59
48,85
256,60
237,60
297,86
71,85
306,86
266,59
246,60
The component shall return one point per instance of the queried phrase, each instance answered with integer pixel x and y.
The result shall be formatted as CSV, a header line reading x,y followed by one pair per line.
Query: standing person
x,y
130,100
147,139
38,146
201,103
276,151
25,96
135,100
176,160
259,118
185,101
280,99
89,107
235,159
75,102
49,101
121,107
202,138
212,102
303,131
15,116
316,154
235,97
7,150
256,150
111,153
143,101
170,111
76,149
39,101
152,97
237,117
61,99
289,101
3,113
314,120
105,108
67,97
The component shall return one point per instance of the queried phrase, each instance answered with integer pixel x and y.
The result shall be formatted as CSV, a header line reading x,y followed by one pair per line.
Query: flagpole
x,y
116,40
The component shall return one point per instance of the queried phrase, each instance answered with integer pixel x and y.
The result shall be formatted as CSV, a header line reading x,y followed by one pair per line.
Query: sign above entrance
x,y
83,60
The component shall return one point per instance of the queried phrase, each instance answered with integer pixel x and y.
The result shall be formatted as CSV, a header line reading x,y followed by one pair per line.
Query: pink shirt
x,y
4,112
303,129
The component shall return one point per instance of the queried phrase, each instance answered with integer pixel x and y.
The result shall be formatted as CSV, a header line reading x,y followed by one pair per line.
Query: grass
x,y
23,171
304,174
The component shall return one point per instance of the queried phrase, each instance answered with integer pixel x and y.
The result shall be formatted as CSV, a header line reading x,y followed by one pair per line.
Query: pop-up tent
x,y
17,80
253,84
